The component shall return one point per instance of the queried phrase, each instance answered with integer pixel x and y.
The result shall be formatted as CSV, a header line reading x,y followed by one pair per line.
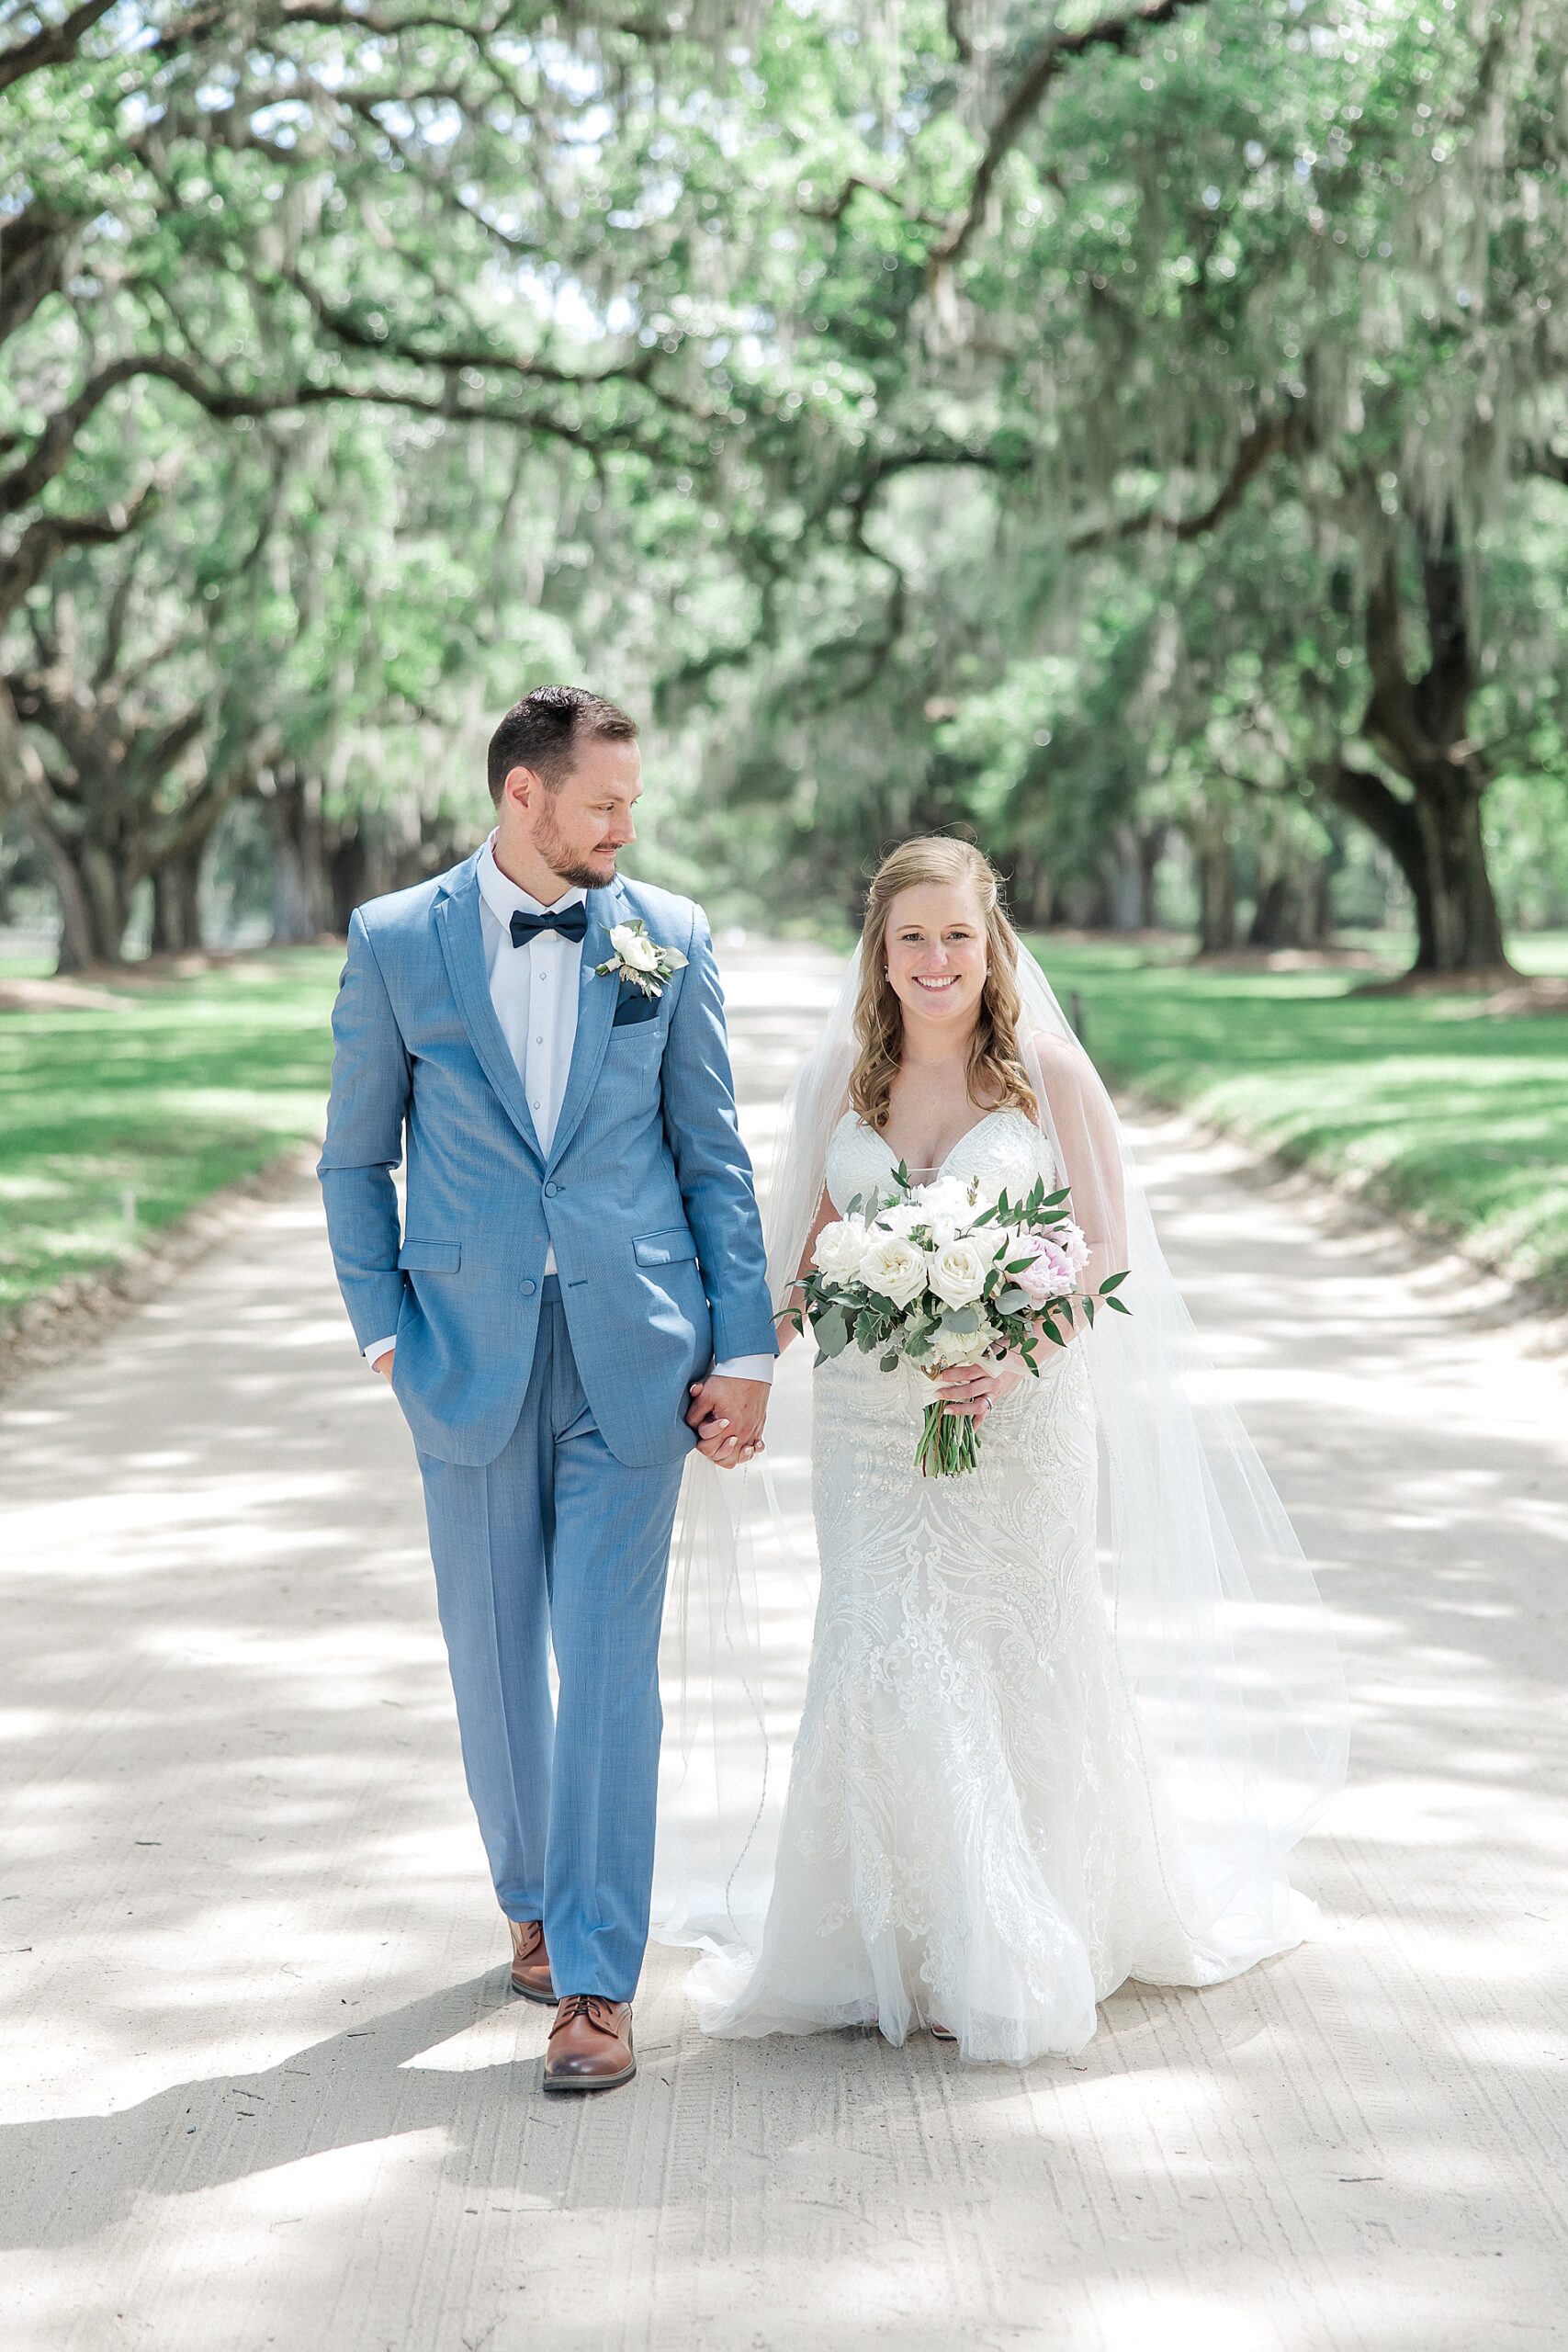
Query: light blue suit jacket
x,y
646,1191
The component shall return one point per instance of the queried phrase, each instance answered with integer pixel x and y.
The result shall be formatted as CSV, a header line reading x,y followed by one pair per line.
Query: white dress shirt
x,y
535,991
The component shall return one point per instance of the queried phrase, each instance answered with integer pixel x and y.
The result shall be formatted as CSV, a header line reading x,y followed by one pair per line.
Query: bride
x,y
1067,1713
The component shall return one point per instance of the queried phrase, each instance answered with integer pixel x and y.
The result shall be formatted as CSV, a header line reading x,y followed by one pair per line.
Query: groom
x,y
581,1241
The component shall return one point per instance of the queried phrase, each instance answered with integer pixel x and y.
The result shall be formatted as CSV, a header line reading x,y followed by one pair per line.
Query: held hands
x,y
728,1416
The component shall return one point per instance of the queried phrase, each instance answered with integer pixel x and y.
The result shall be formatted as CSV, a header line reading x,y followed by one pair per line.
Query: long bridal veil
x,y
1222,1638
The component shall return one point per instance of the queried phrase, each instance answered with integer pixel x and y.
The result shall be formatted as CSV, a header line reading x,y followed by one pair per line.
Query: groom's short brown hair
x,y
544,729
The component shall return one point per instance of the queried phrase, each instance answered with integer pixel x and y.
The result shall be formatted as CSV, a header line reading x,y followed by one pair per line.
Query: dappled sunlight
x,y
264,2062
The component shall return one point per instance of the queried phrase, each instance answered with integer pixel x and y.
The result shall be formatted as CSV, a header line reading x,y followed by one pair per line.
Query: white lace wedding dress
x,y
973,1834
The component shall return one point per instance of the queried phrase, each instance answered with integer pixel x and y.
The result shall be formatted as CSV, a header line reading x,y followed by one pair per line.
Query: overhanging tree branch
x,y
51,44
1029,93
1253,452
51,450
46,538
35,254
346,328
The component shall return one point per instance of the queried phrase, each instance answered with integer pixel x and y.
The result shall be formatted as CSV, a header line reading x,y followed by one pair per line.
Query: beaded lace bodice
x,y
1003,1149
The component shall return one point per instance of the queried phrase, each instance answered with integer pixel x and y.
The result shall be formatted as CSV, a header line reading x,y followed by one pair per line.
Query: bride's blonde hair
x,y
996,1077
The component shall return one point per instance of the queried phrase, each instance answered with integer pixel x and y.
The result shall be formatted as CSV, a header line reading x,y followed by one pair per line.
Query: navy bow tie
x,y
570,921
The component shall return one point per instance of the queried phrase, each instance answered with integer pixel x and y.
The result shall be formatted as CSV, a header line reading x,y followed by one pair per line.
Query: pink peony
x,y
1074,1249
1049,1273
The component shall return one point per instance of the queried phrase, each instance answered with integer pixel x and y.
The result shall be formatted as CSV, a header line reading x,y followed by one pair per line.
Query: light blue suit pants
x,y
557,1541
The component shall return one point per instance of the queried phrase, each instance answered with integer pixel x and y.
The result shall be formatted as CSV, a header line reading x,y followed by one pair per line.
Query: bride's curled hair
x,y
998,1079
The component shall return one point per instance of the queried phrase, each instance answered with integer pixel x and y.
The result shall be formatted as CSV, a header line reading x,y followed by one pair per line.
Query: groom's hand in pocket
x,y
728,1416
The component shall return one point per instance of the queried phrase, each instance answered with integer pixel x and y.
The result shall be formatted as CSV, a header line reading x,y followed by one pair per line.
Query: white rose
x,y
948,1348
946,1197
893,1267
633,947
839,1249
901,1219
943,1230
958,1272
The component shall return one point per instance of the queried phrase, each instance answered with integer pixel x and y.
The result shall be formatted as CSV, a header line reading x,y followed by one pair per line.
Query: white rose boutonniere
x,y
638,960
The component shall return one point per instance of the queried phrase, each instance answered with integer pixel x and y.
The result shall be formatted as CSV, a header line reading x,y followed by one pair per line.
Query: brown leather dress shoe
x,y
530,1962
591,2045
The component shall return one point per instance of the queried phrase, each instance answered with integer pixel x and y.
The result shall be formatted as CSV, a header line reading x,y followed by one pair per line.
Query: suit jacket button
x,y
550,1191
528,1289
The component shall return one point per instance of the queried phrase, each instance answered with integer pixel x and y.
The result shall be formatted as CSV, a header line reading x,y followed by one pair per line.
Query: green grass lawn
x,y
197,1081
1460,1120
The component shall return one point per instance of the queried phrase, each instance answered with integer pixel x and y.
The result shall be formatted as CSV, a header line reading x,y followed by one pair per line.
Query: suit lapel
x,y
595,1013
462,947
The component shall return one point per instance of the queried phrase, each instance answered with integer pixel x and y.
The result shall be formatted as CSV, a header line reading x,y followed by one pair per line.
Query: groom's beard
x,y
578,870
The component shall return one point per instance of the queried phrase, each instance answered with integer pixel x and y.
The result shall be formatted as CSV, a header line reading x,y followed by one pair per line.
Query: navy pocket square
x,y
634,1006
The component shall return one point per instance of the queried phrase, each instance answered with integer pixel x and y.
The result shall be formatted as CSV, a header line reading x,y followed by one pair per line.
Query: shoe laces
x,y
599,2011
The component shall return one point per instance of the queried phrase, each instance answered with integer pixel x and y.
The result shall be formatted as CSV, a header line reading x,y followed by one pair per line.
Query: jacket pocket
x,y
634,1007
431,1257
664,1248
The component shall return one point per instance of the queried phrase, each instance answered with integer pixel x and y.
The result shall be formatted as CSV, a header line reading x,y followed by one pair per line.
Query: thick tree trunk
x,y
1214,860
1463,931
1292,907
1138,849
301,900
78,940
1151,849
95,902
348,876
1129,909
1032,898
1420,725
176,902
1085,902
1434,838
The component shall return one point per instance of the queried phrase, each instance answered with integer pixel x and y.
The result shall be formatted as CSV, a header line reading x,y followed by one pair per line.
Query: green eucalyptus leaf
x,y
832,1333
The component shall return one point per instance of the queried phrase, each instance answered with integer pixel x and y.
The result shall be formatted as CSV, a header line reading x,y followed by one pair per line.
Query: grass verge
x,y
1456,1121
114,1124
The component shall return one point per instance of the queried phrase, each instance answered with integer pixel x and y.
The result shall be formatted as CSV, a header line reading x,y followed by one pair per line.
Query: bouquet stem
x,y
949,1443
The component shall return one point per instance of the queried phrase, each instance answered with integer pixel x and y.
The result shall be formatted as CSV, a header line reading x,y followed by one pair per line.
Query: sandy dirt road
x,y
263,2087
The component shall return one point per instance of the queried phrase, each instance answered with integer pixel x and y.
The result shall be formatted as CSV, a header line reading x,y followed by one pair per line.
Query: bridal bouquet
x,y
935,1277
